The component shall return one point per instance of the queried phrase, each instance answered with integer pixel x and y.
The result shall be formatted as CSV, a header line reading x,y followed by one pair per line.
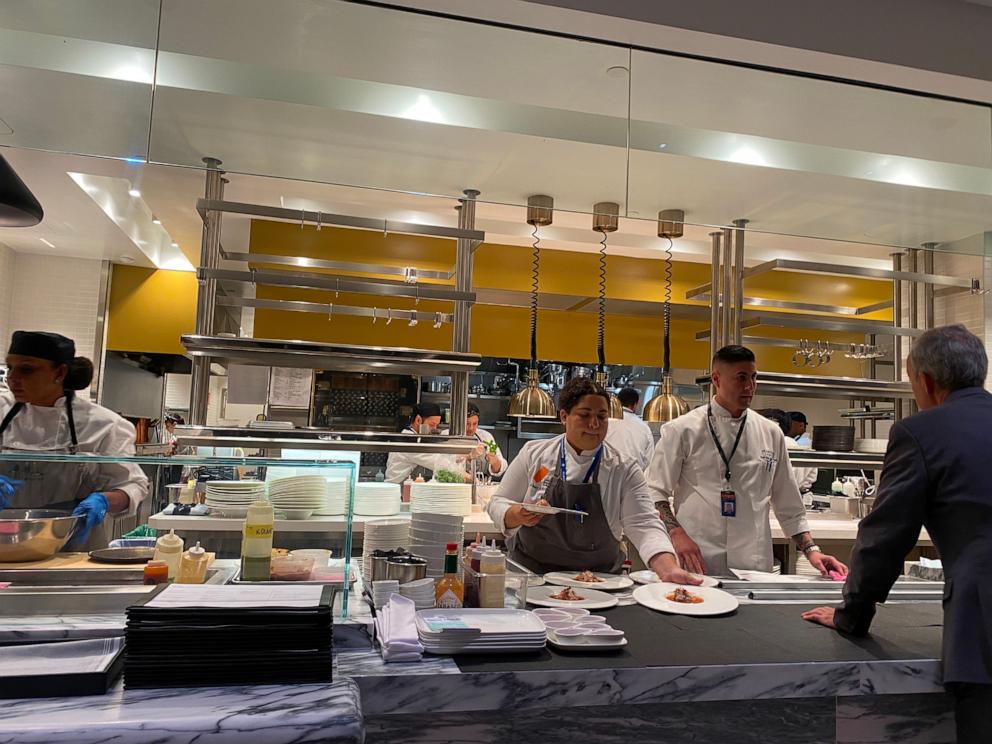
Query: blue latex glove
x,y
8,487
94,508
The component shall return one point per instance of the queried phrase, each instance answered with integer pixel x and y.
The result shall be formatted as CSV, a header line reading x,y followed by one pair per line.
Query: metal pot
x,y
34,534
406,569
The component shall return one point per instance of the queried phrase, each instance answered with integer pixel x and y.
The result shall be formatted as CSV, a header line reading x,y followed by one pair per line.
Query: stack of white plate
x,y
430,533
420,591
234,497
377,499
383,534
300,492
488,631
381,590
441,498
337,498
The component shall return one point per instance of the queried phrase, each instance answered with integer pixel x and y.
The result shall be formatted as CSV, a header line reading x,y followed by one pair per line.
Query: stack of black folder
x,y
200,635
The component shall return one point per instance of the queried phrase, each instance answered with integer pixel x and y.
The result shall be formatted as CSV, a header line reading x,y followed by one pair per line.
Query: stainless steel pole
x,y
914,294
727,298
715,331
738,278
462,326
206,294
897,339
929,311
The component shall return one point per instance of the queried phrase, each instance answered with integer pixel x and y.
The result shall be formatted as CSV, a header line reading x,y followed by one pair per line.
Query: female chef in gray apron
x,y
579,471
41,413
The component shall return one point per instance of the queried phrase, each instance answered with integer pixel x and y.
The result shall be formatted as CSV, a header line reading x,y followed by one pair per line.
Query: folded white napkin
x,y
396,623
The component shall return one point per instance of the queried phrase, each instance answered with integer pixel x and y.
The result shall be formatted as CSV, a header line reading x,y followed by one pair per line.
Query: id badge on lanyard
x,y
728,498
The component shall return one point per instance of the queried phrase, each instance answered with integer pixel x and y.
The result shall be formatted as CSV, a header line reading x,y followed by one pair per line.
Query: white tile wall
x,y
53,295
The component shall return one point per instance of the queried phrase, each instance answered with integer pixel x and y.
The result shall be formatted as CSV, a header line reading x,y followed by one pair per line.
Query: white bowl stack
x,y
381,591
300,492
383,534
430,533
234,497
420,591
441,498
336,503
377,499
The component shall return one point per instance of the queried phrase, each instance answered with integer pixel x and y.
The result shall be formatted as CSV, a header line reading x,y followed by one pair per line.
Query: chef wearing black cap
x,y
41,413
400,465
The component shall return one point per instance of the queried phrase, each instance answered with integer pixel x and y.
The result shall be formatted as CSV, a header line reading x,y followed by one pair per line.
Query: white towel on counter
x,y
397,630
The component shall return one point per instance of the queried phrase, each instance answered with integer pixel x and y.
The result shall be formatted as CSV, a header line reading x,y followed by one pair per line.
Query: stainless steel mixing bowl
x,y
34,534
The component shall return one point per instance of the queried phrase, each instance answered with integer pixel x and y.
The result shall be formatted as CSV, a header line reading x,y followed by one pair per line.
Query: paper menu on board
x,y
237,597
290,387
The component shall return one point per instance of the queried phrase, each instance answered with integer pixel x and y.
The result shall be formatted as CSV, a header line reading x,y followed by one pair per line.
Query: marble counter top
x,y
272,714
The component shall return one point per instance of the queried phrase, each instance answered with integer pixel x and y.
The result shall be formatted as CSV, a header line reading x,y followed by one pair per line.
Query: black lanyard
x,y
716,441
17,407
562,467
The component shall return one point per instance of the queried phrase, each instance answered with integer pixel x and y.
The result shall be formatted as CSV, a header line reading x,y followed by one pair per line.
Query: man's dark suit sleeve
x,y
887,534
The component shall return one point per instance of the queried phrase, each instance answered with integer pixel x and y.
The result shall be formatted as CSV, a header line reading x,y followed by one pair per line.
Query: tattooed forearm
x,y
668,516
803,540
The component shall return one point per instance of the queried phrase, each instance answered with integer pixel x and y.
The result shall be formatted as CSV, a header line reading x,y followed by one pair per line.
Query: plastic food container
x,y
291,568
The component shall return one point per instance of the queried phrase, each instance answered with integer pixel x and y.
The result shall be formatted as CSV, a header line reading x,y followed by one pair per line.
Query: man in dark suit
x,y
936,473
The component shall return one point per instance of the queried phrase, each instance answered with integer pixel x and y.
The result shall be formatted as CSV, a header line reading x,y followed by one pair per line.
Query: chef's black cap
x,y
426,410
43,345
798,416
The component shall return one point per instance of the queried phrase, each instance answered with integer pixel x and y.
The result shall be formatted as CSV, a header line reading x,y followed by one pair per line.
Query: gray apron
x,y
566,542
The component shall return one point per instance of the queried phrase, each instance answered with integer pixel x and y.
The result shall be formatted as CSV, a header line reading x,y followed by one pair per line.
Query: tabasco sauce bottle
x,y
450,591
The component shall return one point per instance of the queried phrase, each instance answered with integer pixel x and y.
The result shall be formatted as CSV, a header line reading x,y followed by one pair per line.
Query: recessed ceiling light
x,y
156,221
134,192
663,145
175,245
50,245
126,260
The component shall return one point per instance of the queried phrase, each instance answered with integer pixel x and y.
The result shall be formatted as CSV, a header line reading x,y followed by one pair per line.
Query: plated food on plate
x,y
681,594
588,577
567,594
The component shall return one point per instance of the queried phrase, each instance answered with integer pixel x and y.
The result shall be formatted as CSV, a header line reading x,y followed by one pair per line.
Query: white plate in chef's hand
x,y
650,577
715,601
545,509
593,600
609,583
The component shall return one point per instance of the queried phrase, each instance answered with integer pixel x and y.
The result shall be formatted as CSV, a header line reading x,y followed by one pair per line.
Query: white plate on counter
x,y
607,583
544,509
579,643
715,601
592,599
650,577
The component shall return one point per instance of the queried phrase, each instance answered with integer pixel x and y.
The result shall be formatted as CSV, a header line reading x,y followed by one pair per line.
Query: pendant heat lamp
x,y
605,219
18,207
667,405
532,401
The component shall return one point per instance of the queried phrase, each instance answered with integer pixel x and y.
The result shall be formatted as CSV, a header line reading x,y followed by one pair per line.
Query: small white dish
x,y
296,513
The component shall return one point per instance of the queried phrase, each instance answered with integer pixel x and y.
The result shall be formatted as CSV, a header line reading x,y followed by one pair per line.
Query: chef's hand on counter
x,y
93,509
826,564
8,487
690,556
517,516
666,566
821,616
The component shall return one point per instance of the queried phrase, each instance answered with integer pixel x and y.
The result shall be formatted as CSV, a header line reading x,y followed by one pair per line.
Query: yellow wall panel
x,y
150,309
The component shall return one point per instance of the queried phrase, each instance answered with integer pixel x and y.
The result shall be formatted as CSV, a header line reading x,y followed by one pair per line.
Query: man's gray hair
x,y
952,355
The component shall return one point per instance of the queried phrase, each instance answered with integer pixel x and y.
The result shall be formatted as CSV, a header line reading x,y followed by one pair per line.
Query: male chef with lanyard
x,y
724,469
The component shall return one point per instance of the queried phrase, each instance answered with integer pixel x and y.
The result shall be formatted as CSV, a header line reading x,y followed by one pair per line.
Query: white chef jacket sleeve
x,y
640,519
512,490
805,478
400,464
786,501
126,477
647,449
666,465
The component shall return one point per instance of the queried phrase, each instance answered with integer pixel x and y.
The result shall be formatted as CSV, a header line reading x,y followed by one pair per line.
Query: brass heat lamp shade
x,y
531,401
616,409
666,405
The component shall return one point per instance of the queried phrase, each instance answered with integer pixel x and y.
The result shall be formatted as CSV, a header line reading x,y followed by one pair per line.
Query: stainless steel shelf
x,y
811,322
343,357
305,262
352,441
821,386
815,459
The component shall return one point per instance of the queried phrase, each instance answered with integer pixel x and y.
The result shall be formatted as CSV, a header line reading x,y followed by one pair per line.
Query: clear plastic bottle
x,y
256,543
493,579
169,548
193,568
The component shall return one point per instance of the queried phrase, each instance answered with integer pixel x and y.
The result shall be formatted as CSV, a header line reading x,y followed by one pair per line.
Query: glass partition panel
x,y
344,93
77,76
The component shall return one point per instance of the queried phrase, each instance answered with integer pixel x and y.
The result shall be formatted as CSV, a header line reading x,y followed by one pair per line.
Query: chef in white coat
x,y
42,413
725,470
579,471
631,436
805,477
399,465
488,456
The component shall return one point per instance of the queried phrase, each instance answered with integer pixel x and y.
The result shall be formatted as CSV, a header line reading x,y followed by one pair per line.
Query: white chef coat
x,y
98,431
805,477
632,438
400,464
485,438
627,502
804,440
688,469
